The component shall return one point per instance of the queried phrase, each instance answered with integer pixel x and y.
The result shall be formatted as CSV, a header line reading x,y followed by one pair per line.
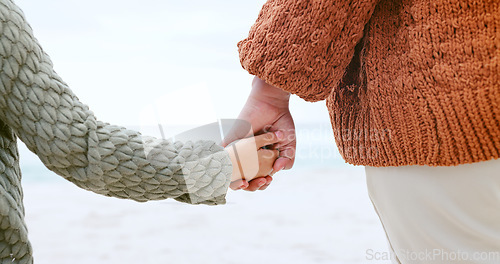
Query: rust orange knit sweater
x,y
406,82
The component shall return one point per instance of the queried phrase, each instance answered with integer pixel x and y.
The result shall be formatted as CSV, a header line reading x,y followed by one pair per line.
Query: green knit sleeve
x,y
94,155
305,46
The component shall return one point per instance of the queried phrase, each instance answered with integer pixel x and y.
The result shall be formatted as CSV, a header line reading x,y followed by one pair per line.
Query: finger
x,y
287,158
267,157
268,138
274,171
282,163
268,154
238,184
269,180
289,138
255,184
263,188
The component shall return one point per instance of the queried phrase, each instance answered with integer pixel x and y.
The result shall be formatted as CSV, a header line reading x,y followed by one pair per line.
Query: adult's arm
x,y
304,47
69,140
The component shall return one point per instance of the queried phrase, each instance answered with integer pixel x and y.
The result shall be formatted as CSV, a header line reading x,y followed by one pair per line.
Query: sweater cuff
x,y
304,47
207,179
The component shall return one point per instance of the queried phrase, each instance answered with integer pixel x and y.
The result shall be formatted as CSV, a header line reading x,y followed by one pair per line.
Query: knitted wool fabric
x,y
38,107
406,82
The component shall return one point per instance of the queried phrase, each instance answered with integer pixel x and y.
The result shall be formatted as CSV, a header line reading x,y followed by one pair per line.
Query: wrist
x,y
270,94
235,175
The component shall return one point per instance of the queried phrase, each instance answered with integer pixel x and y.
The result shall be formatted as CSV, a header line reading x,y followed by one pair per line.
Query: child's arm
x,y
69,140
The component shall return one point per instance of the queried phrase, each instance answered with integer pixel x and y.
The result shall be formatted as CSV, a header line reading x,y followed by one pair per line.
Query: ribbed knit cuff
x,y
437,130
208,182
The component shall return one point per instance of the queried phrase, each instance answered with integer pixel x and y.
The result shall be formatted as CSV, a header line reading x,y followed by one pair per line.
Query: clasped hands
x,y
256,159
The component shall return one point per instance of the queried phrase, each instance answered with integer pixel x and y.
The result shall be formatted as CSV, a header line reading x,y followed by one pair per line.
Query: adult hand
x,y
267,110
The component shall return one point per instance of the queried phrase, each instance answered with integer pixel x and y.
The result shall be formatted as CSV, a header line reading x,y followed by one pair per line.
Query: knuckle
x,y
269,154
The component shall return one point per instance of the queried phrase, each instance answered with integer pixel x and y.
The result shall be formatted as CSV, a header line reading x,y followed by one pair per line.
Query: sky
x,y
179,57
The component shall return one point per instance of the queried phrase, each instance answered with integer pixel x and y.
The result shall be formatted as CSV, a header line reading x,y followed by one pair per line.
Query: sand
x,y
318,216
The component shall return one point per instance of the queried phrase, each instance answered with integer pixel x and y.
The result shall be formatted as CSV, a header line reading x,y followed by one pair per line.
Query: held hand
x,y
250,160
267,110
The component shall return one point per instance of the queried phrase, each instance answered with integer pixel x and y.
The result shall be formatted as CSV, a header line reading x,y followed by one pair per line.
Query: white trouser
x,y
439,214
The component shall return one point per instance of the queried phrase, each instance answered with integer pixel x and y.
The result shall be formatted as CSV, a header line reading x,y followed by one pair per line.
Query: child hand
x,y
250,160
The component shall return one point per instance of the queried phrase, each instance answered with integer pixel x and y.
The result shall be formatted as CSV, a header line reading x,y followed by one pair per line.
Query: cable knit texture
x,y
411,82
38,107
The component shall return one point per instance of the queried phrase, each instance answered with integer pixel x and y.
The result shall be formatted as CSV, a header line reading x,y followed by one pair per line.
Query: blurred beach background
x,y
137,64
